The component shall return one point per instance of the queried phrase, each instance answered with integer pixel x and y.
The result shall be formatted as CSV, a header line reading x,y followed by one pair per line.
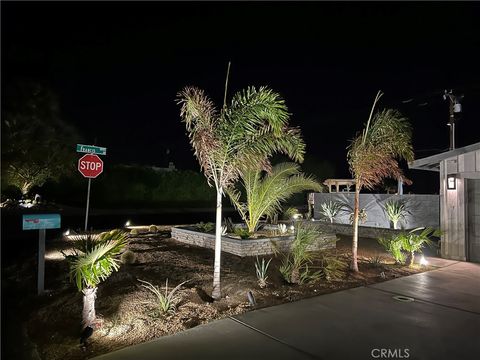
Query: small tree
x,y
238,137
413,241
372,156
37,143
265,194
93,261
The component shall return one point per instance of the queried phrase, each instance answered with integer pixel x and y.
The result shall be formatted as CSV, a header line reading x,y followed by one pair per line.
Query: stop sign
x,y
90,165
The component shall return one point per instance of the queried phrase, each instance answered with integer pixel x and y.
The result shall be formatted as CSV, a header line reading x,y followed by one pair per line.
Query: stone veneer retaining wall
x,y
248,247
363,231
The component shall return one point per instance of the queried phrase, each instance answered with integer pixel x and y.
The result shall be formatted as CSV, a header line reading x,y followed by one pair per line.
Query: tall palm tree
x,y
239,136
373,153
93,261
265,194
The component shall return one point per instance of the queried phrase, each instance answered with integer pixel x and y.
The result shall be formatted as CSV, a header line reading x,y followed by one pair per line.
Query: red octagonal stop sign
x,y
90,165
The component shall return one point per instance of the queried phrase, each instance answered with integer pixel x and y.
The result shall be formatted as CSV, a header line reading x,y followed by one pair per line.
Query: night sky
x,y
117,67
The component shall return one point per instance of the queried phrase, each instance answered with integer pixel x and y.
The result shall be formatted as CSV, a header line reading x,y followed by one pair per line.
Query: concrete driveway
x,y
439,318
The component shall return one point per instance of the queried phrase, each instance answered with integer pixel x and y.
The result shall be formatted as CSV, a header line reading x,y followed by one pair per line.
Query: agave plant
x,y
165,302
331,209
373,154
238,137
261,269
265,193
396,210
282,228
92,261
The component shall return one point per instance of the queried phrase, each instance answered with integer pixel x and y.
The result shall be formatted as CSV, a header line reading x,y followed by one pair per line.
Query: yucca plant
x,y
373,154
414,241
165,302
238,137
266,192
331,209
261,269
92,261
396,210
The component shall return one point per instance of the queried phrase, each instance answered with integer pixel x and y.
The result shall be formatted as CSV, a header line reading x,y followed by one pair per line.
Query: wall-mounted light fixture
x,y
451,182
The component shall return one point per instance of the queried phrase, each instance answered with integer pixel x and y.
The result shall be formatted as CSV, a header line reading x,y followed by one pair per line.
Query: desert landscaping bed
x,y
51,323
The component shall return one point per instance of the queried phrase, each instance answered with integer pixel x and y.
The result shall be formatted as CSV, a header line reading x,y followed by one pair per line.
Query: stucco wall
x,y
424,209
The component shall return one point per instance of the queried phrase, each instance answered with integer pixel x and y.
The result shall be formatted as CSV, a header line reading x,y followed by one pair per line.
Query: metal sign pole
x,y
88,204
41,261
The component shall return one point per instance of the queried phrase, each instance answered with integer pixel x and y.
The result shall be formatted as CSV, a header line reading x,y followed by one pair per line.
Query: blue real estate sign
x,y
41,221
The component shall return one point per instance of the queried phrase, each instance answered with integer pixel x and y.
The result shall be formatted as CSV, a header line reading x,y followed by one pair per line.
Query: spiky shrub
x,y
128,257
394,247
295,261
165,302
415,240
92,261
332,267
331,209
376,261
205,227
265,192
373,156
261,269
152,229
241,135
396,210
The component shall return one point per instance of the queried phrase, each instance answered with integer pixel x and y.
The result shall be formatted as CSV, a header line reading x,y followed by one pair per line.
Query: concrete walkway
x,y
442,322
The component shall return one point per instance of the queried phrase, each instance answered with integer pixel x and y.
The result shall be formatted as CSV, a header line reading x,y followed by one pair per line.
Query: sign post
x,y
41,222
90,166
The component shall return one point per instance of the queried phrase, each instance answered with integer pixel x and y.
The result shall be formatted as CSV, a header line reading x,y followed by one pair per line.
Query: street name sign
x,y
91,149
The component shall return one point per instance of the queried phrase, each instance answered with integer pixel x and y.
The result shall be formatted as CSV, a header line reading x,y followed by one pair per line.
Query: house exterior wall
x,y
452,214
473,248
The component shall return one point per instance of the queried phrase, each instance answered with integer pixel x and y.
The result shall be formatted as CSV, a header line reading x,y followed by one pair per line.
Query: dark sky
x,y
117,66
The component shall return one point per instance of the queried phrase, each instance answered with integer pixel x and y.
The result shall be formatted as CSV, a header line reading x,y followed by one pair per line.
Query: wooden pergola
x,y
348,183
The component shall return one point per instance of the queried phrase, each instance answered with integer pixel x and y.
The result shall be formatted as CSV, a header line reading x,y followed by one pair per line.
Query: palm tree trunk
x,y
216,292
412,258
354,265
88,313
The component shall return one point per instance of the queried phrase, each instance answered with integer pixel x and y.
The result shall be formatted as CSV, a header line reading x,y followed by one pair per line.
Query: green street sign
x,y
91,149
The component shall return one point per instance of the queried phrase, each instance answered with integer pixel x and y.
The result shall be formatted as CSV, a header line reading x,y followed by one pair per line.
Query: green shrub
x,y
289,213
134,232
394,247
376,261
242,232
205,227
165,302
332,267
294,266
152,229
414,241
128,257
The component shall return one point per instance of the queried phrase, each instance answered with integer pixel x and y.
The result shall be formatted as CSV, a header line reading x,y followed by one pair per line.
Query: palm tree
x,y
93,261
414,241
239,136
264,195
373,153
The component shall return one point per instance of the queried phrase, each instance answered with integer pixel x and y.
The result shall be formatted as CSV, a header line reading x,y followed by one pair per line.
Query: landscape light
x,y
127,223
451,182
423,261
66,233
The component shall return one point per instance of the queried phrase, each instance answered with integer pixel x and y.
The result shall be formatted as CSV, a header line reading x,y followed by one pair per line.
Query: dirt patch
x,y
125,309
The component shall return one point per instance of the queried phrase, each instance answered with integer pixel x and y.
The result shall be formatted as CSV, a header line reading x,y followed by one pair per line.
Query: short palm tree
x,y
93,261
372,156
265,192
414,241
238,137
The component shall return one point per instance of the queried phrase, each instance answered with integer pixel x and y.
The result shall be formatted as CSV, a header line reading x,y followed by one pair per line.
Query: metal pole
x,y
88,204
41,262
